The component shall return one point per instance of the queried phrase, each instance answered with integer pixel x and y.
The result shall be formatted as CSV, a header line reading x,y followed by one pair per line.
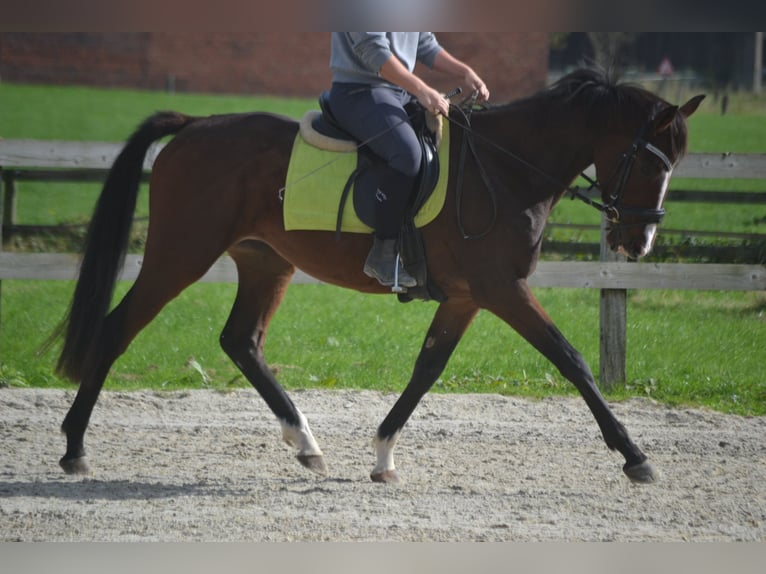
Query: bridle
x,y
614,209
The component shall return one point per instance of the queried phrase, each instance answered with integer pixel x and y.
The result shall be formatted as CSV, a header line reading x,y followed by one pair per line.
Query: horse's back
x,y
221,174
230,139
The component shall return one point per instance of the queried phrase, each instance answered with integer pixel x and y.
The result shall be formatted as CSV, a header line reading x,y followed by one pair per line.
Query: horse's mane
x,y
604,99
594,88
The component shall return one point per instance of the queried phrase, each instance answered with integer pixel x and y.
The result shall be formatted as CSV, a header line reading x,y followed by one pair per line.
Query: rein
x,y
466,144
614,210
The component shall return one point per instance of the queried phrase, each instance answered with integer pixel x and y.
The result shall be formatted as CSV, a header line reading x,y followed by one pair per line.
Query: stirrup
x,y
396,288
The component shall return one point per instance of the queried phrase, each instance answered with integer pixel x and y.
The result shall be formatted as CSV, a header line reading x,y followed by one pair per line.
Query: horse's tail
x,y
104,250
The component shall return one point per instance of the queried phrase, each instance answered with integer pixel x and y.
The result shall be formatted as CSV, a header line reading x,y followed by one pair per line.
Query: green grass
x,y
712,133
91,114
691,348
683,348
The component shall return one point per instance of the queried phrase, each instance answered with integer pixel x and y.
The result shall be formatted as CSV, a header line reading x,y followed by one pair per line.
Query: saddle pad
x,y
315,181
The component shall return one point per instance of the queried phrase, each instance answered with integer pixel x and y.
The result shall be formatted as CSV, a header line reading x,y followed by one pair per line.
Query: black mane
x,y
592,89
604,99
595,89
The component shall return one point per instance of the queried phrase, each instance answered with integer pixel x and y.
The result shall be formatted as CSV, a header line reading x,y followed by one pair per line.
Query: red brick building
x,y
279,63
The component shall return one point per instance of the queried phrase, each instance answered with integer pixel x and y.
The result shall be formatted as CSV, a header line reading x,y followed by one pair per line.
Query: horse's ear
x,y
663,119
689,107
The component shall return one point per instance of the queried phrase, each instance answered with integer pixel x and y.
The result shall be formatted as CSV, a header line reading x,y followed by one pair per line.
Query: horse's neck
x,y
555,139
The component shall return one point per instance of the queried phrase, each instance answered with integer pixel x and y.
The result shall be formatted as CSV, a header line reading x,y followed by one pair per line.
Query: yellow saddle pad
x,y
315,181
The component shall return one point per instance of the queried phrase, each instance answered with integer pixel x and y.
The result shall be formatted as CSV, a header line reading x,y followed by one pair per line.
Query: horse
x,y
215,189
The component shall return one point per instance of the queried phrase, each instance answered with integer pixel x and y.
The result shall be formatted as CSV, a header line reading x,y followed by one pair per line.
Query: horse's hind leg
x,y
450,322
120,327
160,280
263,279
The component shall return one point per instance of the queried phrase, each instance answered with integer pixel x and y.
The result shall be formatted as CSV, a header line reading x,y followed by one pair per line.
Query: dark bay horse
x,y
215,189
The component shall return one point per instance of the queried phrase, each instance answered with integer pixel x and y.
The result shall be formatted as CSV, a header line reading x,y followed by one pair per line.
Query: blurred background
x,y
295,64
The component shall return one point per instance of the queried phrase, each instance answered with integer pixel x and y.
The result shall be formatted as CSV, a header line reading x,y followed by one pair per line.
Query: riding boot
x,y
391,200
382,262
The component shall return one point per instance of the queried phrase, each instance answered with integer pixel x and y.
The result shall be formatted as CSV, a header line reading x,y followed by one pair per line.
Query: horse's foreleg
x,y
525,315
263,279
450,322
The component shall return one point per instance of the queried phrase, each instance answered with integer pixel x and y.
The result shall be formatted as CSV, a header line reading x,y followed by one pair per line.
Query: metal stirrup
x,y
396,288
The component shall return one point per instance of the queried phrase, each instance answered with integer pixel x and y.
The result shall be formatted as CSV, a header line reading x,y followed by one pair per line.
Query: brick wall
x,y
76,58
288,64
513,64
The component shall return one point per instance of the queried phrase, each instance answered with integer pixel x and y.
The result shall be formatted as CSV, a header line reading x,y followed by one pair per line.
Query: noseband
x,y
615,210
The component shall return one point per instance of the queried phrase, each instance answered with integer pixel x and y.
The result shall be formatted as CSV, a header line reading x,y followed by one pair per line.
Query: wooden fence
x,y
34,160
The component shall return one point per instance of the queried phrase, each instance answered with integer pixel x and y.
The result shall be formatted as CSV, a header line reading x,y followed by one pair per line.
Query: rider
x,y
372,81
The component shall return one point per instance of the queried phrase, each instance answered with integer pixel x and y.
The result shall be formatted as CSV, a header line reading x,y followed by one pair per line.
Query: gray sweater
x,y
356,57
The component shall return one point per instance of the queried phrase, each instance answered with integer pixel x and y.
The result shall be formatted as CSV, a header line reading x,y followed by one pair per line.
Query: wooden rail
x,y
41,154
90,160
569,274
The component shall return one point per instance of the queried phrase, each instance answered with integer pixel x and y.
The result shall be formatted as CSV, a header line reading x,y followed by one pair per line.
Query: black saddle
x,y
365,179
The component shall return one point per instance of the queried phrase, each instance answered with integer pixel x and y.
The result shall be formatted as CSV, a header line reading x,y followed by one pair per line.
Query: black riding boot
x,y
382,262
391,204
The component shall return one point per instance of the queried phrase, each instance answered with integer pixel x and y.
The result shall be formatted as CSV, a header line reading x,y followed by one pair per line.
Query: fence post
x,y
2,231
612,325
9,200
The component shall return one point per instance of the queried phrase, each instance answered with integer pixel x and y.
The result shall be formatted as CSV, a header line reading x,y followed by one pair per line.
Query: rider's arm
x,y
394,71
446,63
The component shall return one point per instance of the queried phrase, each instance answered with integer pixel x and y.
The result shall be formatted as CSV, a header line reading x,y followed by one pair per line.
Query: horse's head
x,y
634,169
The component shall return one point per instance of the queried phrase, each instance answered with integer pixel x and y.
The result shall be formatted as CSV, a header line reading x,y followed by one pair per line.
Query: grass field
x,y
699,348
683,347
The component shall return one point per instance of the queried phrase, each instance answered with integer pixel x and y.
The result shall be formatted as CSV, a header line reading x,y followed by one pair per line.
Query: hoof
x,y
314,462
77,465
642,473
388,476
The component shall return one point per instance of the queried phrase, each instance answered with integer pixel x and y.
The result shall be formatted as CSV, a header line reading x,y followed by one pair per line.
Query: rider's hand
x,y
474,83
433,101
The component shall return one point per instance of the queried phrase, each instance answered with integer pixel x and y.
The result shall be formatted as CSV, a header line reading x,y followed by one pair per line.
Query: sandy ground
x,y
205,466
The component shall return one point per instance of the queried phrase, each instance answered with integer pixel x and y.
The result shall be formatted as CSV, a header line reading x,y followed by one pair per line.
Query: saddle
x,y
328,134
